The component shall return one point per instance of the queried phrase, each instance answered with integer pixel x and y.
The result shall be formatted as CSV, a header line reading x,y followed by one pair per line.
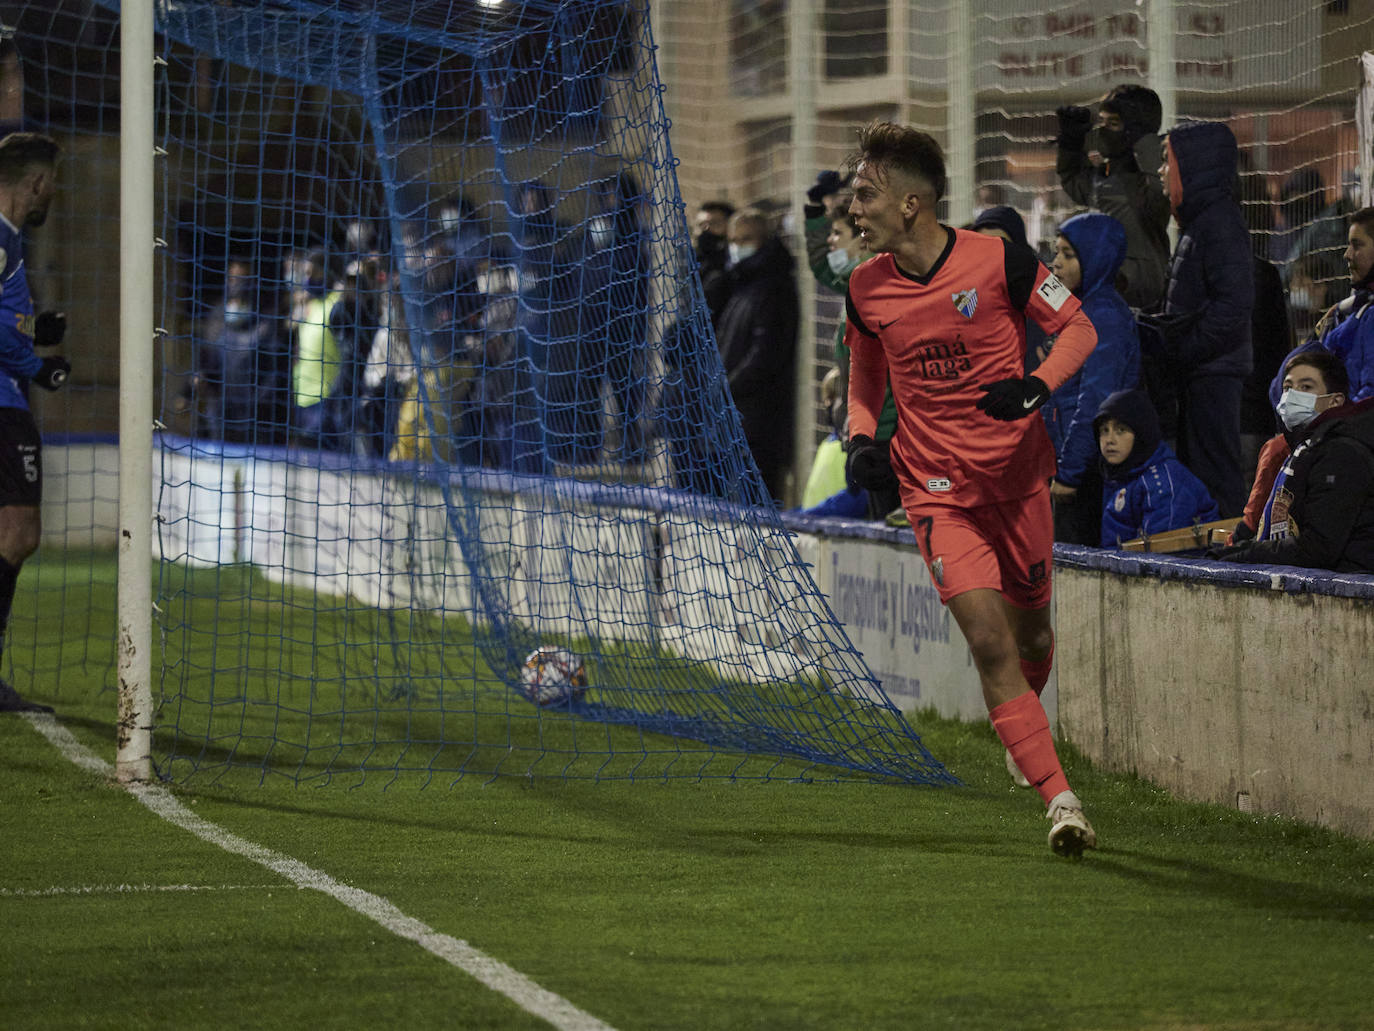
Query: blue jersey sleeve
x,y
17,359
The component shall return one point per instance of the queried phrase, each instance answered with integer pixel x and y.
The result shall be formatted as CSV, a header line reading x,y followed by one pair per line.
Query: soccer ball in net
x,y
552,676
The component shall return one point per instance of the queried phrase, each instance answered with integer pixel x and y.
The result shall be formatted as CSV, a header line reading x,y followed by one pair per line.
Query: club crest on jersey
x,y
965,302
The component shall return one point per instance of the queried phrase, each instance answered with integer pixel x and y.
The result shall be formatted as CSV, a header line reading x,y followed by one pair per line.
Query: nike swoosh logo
x,y
884,325
1027,404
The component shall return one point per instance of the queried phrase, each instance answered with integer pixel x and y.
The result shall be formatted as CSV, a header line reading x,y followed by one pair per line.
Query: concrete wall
x,y
1251,696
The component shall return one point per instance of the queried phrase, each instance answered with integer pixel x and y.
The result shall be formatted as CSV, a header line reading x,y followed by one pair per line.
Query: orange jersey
x,y
938,338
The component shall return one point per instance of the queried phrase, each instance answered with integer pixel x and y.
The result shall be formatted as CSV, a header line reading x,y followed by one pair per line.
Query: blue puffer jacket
x,y
1151,491
1211,290
1100,241
1350,338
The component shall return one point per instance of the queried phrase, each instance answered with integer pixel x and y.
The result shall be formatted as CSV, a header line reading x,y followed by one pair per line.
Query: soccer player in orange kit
x,y
941,313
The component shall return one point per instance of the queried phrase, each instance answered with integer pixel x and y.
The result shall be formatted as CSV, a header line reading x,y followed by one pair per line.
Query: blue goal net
x,y
450,481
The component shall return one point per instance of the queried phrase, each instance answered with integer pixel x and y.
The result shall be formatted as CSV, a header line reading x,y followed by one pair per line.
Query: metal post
x,y
801,34
1161,29
962,127
133,759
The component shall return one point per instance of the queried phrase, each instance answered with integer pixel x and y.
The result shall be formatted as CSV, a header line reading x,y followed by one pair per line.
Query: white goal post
x,y
133,758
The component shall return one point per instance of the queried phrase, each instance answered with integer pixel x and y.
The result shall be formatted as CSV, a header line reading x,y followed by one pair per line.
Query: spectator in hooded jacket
x,y
1111,169
1345,331
1347,328
1145,488
1320,509
1088,255
1197,353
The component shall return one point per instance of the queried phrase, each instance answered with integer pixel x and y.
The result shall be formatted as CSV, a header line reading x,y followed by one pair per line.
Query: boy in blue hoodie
x,y
1088,256
1145,488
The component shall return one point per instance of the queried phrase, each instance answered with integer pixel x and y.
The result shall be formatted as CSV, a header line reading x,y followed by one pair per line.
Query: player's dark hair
x,y
1364,218
1332,369
890,146
719,207
22,151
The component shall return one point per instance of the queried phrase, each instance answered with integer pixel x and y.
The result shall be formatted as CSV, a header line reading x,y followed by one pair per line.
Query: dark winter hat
x,y
1004,218
1133,408
1139,108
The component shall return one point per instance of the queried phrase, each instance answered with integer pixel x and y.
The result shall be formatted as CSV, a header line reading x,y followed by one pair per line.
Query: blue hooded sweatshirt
x,y
1114,364
1151,491
1211,292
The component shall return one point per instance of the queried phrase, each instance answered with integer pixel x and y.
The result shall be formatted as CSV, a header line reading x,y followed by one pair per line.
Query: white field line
x,y
491,972
126,889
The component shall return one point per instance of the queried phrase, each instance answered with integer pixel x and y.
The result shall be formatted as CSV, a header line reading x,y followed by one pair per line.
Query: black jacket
x,y
1211,292
757,336
1330,498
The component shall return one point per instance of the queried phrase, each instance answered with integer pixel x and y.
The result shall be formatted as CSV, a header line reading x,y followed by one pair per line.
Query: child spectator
x,y
1320,510
1088,255
1347,329
1145,488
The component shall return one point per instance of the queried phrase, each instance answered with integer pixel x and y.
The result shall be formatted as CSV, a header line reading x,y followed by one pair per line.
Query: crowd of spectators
x,y
521,348
1184,407
528,347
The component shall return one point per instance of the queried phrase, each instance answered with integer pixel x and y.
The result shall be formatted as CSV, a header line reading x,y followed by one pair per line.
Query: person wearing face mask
x,y
239,382
1319,512
1145,488
842,251
1110,168
1347,327
712,229
757,337
1347,331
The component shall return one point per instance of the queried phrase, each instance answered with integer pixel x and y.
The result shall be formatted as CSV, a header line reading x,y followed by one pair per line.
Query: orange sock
x,y
1037,674
1025,729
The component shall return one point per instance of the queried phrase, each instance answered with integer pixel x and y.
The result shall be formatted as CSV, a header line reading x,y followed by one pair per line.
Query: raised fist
x,y
1074,123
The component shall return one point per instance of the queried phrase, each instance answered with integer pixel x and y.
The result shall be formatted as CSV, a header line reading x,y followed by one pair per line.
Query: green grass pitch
x,y
711,904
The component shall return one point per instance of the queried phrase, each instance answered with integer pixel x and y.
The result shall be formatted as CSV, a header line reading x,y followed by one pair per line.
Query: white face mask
x,y
740,251
1296,408
839,261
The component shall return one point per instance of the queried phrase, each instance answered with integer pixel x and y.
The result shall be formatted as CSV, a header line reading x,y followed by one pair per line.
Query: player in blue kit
x,y
28,167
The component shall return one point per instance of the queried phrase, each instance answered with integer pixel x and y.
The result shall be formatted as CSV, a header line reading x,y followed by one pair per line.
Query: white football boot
x,y
1071,832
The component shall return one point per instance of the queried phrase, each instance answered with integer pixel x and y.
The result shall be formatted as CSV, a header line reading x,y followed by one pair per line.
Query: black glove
x,y
1074,123
1009,399
867,465
827,182
54,373
49,327
1231,552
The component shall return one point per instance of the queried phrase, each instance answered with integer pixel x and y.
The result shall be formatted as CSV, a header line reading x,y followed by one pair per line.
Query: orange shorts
x,y
1007,546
